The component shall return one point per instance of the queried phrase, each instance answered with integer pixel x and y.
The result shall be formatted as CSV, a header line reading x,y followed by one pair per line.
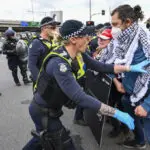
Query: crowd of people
x,y
58,59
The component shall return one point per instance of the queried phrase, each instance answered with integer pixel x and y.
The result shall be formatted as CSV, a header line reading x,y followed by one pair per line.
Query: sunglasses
x,y
51,27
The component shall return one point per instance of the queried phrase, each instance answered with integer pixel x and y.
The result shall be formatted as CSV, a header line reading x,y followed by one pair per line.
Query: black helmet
x,y
98,27
9,32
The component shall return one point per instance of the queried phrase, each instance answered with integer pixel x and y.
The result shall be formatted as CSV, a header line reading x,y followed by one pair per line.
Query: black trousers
x,y
13,64
53,125
115,101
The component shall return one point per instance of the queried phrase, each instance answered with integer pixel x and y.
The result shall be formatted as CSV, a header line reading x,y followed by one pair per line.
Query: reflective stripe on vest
x,y
81,71
49,44
26,41
45,59
94,37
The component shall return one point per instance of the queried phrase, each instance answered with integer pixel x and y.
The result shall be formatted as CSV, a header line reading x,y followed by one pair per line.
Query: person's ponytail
x,y
138,13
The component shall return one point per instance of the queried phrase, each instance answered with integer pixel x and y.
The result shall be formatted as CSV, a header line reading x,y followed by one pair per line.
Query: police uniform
x,y
9,48
39,48
56,86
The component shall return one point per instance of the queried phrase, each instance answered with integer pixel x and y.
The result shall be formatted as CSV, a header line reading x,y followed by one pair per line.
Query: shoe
x,y
27,82
18,84
80,122
133,144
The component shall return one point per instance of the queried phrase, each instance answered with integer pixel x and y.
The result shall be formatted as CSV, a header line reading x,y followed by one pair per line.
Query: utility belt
x,y
141,100
53,113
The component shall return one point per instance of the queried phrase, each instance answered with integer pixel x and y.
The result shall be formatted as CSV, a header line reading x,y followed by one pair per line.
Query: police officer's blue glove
x,y
121,116
139,67
124,118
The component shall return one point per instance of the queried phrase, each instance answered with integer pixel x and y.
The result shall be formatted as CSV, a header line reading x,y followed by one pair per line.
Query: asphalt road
x,y
15,122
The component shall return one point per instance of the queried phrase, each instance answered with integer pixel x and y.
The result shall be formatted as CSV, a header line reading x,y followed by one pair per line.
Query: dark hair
x,y
99,26
107,24
126,11
107,27
148,25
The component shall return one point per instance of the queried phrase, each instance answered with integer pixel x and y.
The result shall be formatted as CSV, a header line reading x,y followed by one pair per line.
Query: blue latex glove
x,y
124,118
139,67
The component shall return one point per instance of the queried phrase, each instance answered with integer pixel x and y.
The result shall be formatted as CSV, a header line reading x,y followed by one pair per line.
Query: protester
x,y
132,47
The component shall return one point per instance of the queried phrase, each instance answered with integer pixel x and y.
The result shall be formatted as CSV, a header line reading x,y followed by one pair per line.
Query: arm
x,y
96,65
144,109
7,51
34,54
118,85
69,85
146,104
4,48
72,89
108,68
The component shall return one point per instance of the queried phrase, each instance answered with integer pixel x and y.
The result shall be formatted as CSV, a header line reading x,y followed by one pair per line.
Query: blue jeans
x,y
140,123
54,125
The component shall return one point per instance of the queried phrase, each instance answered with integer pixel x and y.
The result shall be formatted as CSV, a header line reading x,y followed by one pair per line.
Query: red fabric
x,y
106,34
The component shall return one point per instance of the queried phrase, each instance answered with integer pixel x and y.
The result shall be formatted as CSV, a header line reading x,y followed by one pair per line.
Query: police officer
x,y
41,45
24,37
22,52
56,86
9,48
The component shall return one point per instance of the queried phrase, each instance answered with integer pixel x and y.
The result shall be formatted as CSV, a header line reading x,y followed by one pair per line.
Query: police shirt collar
x,y
67,54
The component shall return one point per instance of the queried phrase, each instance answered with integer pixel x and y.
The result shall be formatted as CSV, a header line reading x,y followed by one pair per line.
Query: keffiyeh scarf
x,y
121,51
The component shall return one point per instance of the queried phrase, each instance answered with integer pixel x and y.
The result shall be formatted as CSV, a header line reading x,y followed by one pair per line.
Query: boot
x,y
27,81
24,75
15,77
18,84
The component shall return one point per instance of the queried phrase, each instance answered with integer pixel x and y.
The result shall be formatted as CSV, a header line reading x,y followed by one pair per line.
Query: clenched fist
x,y
140,111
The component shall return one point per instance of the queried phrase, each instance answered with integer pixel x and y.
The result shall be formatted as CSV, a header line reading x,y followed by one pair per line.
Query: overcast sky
x,y
72,9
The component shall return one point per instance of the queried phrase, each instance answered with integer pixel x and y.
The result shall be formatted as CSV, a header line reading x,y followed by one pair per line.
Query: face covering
x,y
115,32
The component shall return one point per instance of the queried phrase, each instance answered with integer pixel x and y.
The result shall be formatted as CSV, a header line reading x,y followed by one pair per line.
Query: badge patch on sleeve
x,y
63,67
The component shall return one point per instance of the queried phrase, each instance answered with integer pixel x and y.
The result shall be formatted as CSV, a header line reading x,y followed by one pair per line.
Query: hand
x,y
119,86
139,67
124,118
95,54
140,111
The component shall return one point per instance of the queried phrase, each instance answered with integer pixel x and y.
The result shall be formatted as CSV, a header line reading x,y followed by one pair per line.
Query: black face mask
x,y
148,25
